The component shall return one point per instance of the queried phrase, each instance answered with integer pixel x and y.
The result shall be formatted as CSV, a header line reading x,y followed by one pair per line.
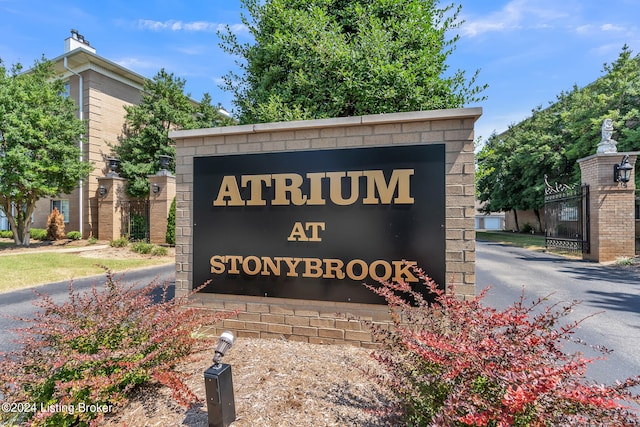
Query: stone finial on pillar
x,y
607,144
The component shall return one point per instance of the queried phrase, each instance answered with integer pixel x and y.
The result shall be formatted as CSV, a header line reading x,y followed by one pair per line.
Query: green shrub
x,y
159,251
527,228
96,348
74,235
6,234
122,242
141,247
457,363
171,224
38,234
148,249
92,240
626,261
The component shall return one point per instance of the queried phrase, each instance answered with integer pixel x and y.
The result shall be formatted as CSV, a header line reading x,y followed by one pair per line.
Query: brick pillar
x,y
611,206
110,207
159,205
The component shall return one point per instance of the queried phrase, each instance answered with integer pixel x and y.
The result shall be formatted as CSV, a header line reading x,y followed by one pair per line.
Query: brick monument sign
x,y
286,221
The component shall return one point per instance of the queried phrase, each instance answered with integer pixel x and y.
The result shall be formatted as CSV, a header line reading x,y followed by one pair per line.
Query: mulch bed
x,y
276,383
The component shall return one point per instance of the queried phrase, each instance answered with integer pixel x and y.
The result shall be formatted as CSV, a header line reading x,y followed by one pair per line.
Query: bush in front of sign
x,y
95,349
459,363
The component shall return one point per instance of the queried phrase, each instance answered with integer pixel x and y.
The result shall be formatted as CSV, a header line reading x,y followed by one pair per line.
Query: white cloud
x,y
518,14
611,27
194,26
137,64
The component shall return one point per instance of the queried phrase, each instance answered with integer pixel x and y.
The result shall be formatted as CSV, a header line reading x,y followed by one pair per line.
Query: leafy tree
x,y
336,58
39,134
164,107
512,165
616,95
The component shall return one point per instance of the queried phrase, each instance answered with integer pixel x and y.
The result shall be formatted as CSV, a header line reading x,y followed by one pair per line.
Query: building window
x,y
67,90
63,208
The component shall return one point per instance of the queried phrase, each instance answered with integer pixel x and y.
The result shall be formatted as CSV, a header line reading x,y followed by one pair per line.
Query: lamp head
x,y
622,171
224,344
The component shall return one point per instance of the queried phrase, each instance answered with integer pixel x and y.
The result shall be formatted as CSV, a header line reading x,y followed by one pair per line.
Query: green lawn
x,y
523,240
23,270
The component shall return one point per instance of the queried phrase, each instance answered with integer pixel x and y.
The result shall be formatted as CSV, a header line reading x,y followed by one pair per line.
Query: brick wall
x,y
320,321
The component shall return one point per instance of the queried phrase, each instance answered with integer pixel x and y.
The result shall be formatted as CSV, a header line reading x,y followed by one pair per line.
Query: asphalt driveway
x,y
611,291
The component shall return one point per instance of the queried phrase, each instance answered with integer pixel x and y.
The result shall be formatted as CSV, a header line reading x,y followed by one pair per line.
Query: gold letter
x,y
288,183
217,264
314,226
333,269
252,271
229,188
374,274
297,233
270,265
256,188
400,179
335,187
315,188
233,260
313,267
292,263
403,271
363,269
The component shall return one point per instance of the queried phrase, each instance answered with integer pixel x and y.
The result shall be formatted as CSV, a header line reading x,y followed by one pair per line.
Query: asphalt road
x,y
611,291
20,303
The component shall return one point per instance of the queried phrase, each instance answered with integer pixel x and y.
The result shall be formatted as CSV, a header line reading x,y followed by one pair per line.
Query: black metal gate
x,y
566,215
135,224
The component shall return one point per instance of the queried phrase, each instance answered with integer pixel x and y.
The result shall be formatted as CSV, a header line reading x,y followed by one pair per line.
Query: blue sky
x,y
528,51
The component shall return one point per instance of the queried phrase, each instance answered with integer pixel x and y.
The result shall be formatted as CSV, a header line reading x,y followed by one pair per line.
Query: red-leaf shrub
x,y
93,350
459,363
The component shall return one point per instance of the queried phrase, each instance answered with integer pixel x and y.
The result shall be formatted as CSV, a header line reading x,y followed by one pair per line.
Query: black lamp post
x,y
218,384
622,171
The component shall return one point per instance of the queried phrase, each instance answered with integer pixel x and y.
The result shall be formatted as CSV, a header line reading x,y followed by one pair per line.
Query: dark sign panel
x,y
317,224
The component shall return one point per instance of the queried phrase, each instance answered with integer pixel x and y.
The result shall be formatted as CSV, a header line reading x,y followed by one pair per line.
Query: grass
x,y
23,270
523,240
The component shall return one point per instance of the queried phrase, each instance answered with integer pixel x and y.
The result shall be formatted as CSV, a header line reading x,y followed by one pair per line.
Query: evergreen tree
x,y
336,58
164,107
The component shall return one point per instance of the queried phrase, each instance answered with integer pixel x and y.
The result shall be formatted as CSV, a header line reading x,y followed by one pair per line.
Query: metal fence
x,y
135,220
567,218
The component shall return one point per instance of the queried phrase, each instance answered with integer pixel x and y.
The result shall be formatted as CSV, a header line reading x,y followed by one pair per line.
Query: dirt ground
x,y
276,383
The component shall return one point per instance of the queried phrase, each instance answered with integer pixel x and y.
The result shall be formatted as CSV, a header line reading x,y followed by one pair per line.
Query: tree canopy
x,y
511,166
334,58
164,107
39,135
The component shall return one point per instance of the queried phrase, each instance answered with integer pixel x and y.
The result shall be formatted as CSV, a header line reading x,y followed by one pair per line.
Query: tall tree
x,y
39,135
553,139
164,107
336,58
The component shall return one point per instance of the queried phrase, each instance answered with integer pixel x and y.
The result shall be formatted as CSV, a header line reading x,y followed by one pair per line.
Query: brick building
x,y
101,89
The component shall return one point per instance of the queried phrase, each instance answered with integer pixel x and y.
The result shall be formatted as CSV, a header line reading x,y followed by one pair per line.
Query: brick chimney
x,y
77,41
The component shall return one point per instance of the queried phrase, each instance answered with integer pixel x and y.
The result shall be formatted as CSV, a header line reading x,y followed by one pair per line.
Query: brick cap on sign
x,y
619,154
374,119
